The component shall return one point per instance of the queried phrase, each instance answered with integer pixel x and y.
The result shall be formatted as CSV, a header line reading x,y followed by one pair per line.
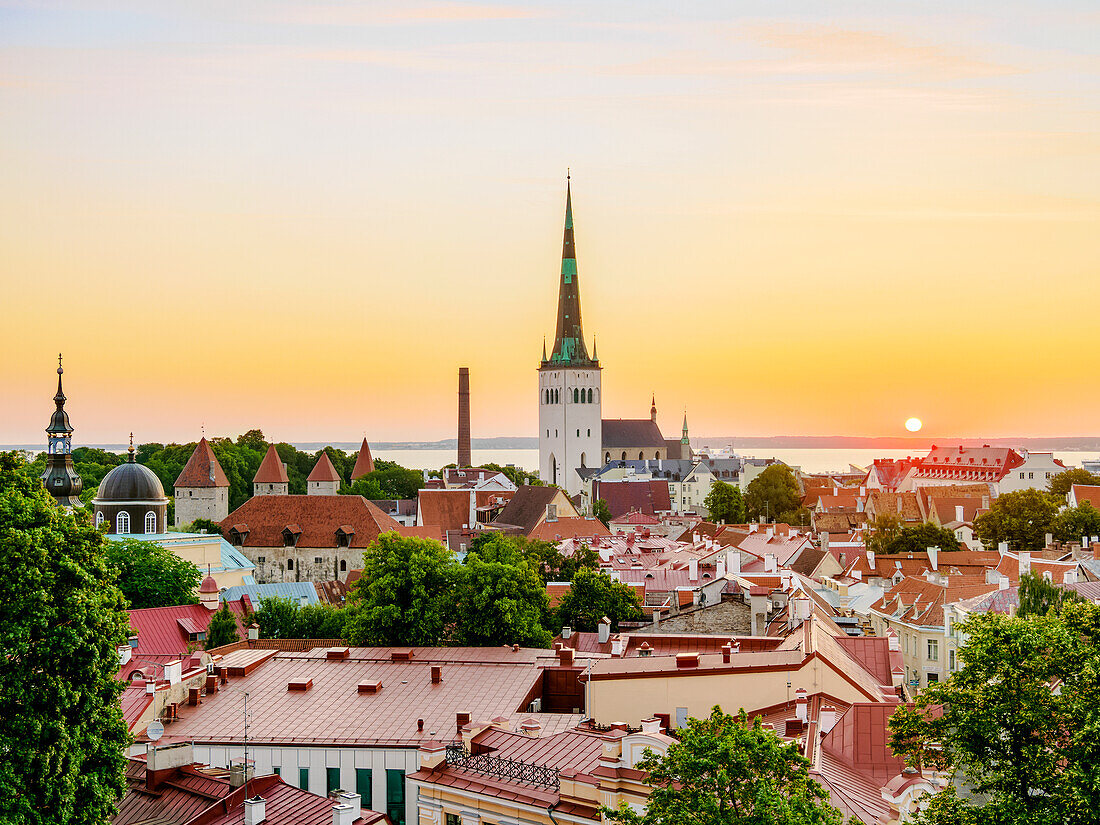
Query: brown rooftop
x,y
271,469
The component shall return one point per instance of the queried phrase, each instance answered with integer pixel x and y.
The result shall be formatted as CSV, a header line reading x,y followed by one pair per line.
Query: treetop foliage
x,y
774,495
1022,518
724,503
151,575
889,535
62,619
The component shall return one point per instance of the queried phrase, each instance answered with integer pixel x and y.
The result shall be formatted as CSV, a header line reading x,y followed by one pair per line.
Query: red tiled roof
x,y
667,644
527,507
446,509
271,469
917,601
324,470
569,528
623,496
202,469
969,463
364,463
635,517
161,629
317,517
1087,492
495,497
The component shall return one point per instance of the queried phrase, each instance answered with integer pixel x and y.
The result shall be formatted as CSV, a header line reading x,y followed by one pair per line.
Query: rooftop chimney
x,y
604,630
1025,562
769,562
933,557
826,719
726,651
959,513
566,632
464,459
461,719
348,808
254,811
693,570
565,657
437,674
871,559
800,705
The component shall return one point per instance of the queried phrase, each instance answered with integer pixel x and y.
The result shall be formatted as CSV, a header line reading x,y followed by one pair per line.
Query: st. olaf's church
x,y
572,432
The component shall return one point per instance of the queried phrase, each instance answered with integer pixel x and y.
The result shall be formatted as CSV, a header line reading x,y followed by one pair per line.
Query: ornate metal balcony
x,y
511,769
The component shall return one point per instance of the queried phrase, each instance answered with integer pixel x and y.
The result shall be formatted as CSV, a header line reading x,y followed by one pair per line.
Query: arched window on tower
x,y
150,522
122,522
640,456
590,395
576,396
98,518
582,460
582,397
607,458
624,455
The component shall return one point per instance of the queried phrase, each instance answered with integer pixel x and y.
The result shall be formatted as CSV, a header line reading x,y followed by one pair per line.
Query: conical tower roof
x,y
569,346
324,469
202,469
271,469
364,463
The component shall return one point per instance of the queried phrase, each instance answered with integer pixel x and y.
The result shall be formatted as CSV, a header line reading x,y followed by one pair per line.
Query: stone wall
x,y
724,618
201,502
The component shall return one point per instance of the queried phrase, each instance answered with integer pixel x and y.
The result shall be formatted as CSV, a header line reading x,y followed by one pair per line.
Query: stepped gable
x,y
202,469
261,520
364,462
271,469
324,469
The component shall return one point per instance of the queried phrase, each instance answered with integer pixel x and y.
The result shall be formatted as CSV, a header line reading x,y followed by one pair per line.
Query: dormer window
x,y
291,534
344,534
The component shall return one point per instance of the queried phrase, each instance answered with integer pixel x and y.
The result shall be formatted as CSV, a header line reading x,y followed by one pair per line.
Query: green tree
x,y
1038,596
1017,725
602,512
724,503
1059,484
283,618
544,557
222,629
594,595
1022,518
407,594
388,481
725,770
1075,522
62,619
889,535
771,493
151,575
501,600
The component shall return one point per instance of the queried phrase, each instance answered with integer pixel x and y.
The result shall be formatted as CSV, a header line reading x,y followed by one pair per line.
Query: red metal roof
x,y
161,629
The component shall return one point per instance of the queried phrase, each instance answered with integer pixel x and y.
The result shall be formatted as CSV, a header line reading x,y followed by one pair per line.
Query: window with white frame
x,y
122,522
98,518
150,522
933,650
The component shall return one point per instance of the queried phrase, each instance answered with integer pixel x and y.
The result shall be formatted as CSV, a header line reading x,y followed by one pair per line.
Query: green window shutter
x,y
303,778
395,795
332,779
363,784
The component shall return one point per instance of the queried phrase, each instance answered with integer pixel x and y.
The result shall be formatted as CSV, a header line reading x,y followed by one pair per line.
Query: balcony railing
x,y
511,769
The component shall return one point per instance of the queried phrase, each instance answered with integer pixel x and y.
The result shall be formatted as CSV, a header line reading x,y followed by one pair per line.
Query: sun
x,y
913,424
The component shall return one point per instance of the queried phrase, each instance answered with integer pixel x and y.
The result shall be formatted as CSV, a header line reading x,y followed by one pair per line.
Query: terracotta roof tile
x,y
445,509
202,469
649,497
569,528
271,470
324,469
364,462
317,517
527,507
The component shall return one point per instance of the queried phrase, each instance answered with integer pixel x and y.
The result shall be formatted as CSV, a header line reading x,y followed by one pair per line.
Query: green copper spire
x,y
569,347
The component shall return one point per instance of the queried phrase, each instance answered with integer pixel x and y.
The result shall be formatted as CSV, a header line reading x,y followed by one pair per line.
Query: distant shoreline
x,y
824,442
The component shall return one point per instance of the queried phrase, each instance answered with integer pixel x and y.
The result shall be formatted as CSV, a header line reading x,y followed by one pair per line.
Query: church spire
x,y
569,346
60,477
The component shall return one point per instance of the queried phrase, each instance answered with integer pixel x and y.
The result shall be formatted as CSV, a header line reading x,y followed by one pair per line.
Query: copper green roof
x,y
569,346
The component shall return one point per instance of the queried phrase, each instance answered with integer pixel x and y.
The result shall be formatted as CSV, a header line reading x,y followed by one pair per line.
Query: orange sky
x,y
306,216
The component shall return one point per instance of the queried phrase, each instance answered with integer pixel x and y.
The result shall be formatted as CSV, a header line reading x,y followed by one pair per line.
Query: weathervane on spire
x,y
131,450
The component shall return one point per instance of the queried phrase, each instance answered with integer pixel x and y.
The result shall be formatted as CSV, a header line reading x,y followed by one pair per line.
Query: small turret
x,y
60,478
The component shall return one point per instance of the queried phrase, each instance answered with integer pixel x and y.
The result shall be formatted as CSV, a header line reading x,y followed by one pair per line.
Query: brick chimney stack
x,y
464,459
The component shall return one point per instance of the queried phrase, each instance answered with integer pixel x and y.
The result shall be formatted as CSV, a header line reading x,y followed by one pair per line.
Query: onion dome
x,y
131,482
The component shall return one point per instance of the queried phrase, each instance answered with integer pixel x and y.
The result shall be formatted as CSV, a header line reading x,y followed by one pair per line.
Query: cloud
x,y
832,49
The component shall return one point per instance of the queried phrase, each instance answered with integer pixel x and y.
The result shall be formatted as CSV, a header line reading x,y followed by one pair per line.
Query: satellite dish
x,y
155,730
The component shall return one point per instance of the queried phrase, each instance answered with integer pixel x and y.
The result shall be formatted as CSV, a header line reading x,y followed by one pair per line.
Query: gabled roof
x,y
1087,492
364,462
324,469
202,469
271,469
166,629
262,519
563,529
447,509
528,507
621,433
623,496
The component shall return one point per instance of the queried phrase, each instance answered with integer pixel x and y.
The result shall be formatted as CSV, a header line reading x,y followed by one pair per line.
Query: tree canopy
x,y
1038,596
601,512
501,599
1018,725
388,481
1059,484
724,503
726,770
594,595
406,595
773,495
151,575
889,535
62,619
281,618
1022,518
1073,523
222,629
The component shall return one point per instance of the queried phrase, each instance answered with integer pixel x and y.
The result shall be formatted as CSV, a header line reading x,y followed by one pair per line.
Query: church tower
x,y
570,434
60,477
